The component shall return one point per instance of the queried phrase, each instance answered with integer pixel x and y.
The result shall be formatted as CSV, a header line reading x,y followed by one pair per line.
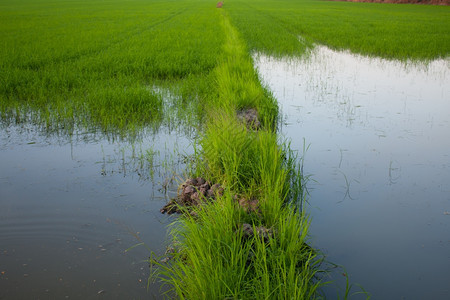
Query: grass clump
x,y
214,260
236,83
251,162
130,107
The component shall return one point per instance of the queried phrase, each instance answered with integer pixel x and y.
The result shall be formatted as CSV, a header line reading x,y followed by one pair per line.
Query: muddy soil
x,y
250,118
193,192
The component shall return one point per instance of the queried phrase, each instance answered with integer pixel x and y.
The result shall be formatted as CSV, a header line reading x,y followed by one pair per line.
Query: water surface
x,y
379,158
70,207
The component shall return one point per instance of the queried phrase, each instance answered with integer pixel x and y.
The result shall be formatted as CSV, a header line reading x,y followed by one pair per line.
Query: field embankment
x,y
250,243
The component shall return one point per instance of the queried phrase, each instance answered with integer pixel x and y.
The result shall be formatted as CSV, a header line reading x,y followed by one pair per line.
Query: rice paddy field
x,y
172,79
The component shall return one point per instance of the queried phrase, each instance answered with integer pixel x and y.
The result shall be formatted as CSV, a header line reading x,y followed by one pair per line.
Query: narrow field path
x,y
251,241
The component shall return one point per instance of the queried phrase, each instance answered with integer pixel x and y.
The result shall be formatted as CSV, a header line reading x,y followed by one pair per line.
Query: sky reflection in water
x,y
379,156
70,207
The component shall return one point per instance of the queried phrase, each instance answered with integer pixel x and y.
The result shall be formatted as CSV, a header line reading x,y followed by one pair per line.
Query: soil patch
x,y
250,118
248,204
193,192
248,231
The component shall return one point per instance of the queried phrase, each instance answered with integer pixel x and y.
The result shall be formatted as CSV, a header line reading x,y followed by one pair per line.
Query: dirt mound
x,y
193,192
249,232
250,118
248,205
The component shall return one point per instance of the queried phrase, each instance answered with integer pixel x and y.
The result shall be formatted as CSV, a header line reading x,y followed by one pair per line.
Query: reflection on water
x,y
379,136
70,207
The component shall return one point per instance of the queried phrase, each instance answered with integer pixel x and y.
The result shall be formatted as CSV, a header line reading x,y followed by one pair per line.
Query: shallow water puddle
x,y
379,157
70,207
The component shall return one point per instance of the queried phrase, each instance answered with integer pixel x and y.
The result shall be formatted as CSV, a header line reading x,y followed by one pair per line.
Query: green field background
x,y
96,63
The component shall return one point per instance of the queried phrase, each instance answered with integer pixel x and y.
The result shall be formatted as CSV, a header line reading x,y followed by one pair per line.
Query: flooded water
x,y
379,158
70,208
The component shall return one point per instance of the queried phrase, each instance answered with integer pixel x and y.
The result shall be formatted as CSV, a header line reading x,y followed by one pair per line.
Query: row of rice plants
x,y
387,30
96,63
214,258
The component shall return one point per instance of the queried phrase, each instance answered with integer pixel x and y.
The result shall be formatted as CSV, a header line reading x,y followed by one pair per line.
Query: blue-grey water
x,y
378,133
70,207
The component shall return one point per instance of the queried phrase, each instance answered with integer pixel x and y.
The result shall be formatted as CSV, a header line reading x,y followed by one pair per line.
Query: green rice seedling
x,y
286,267
246,160
117,107
209,259
238,84
100,54
239,157
214,260
386,30
262,32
